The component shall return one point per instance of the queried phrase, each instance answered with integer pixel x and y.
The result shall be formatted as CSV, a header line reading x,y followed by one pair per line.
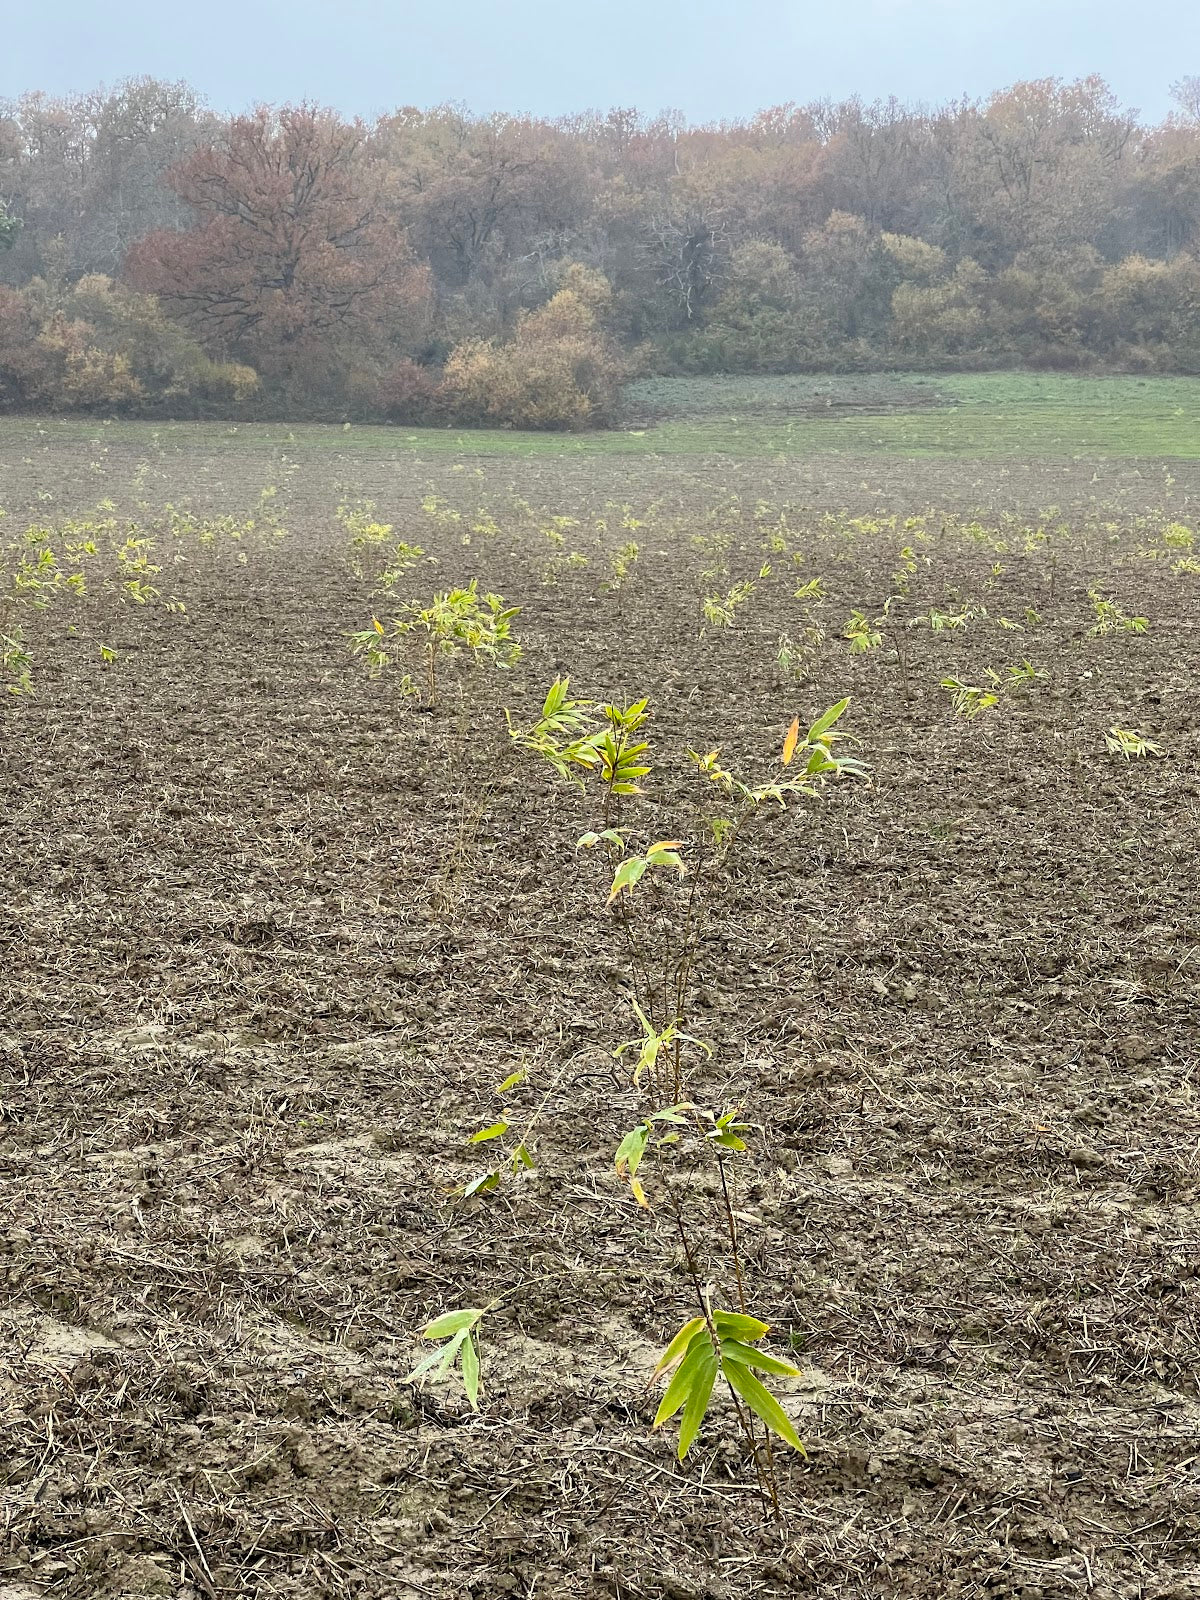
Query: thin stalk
x,y
638,960
689,946
731,1224
902,660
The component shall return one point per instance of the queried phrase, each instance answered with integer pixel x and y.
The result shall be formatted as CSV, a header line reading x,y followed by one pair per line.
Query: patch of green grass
x,y
977,414
906,414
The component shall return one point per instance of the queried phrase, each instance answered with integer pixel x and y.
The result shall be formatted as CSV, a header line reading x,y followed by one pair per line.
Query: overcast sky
x,y
706,58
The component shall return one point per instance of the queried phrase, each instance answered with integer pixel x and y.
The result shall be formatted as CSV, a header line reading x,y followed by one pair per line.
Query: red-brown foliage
x,y
292,263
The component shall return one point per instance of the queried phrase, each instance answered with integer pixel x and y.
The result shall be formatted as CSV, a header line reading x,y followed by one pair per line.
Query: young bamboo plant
x,y
457,1336
456,622
374,552
621,567
560,559
1110,617
969,700
518,1149
48,564
1131,743
796,654
717,1343
599,747
720,611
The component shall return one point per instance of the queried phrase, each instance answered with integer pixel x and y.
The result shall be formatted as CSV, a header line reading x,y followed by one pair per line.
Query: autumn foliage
x,y
101,346
559,370
434,266
292,266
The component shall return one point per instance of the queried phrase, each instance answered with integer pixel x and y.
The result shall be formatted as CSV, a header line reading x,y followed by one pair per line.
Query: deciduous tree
x,y
291,265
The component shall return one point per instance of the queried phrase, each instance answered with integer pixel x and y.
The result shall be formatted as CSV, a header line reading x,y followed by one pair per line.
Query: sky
x,y
709,59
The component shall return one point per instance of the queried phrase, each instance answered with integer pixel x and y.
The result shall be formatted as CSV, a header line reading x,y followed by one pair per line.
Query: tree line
x,y
433,265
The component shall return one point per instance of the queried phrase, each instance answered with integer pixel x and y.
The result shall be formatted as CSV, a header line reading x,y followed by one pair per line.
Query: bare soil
x,y
272,936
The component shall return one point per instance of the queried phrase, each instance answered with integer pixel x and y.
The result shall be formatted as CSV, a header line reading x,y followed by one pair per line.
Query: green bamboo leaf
x,y
513,1079
763,1403
697,1401
700,1350
665,853
737,1325
470,1371
825,722
440,1361
733,1350
627,876
493,1132
631,1150
672,1113
483,1184
678,1345
729,1141
451,1322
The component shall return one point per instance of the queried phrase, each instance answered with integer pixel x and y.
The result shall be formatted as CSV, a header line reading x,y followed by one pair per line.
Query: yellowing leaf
x,y
627,876
451,1322
678,1345
377,625
639,1194
791,741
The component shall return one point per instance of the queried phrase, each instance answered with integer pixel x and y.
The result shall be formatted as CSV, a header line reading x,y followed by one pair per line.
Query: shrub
x,y
85,376
101,346
410,393
1149,312
560,369
26,367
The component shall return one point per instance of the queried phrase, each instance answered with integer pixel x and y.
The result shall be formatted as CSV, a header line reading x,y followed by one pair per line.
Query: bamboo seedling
x,y
1016,679
458,1336
969,699
796,655
1131,743
720,610
518,1155
560,559
621,566
451,624
373,551
1110,617
864,635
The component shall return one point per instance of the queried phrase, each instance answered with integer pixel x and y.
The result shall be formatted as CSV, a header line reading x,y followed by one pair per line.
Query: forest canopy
x,y
434,266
